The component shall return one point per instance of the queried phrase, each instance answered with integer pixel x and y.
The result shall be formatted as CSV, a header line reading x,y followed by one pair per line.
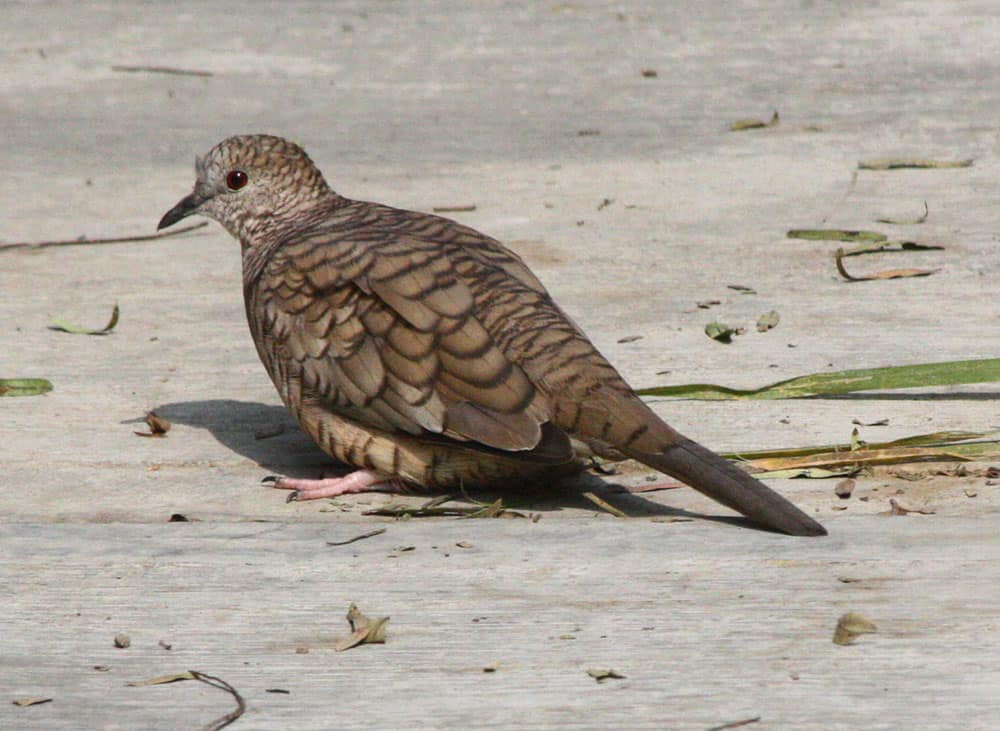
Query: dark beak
x,y
183,209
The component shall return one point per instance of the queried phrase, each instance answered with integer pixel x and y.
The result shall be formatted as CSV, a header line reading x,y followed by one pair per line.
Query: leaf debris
x,y
888,274
898,163
24,386
158,426
741,125
454,209
737,724
604,505
24,702
946,373
768,321
219,683
878,422
62,326
369,534
602,674
850,626
173,71
722,332
363,630
834,234
896,509
435,508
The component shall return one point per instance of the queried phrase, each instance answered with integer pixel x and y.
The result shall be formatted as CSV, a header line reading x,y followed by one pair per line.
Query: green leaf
x,y
65,327
834,234
24,386
949,373
722,332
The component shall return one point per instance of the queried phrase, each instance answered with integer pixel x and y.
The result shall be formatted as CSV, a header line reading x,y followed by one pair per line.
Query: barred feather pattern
x,y
414,346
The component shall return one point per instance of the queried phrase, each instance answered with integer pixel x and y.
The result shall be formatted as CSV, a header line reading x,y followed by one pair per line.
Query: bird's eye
x,y
236,179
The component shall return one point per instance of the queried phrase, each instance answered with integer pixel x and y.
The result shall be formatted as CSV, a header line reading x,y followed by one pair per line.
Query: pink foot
x,y
359,481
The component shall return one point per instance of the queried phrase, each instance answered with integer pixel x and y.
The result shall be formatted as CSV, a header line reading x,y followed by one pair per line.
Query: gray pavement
x,y
423,105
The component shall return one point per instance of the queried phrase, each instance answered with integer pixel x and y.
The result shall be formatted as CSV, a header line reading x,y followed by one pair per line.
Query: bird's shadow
x,y
267,435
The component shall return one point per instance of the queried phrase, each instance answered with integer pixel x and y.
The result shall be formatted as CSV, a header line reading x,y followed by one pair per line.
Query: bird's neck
x,y
264,232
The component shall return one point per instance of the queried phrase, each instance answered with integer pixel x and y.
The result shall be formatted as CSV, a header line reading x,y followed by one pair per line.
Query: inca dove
x,y
424,352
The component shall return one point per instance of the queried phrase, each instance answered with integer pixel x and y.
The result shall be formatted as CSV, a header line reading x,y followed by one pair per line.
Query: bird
x,y
426,354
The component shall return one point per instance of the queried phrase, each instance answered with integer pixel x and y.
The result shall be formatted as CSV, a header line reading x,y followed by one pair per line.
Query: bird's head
x,y
252,184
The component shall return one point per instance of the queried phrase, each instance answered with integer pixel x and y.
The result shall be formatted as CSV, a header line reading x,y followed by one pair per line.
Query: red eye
x,y
236,179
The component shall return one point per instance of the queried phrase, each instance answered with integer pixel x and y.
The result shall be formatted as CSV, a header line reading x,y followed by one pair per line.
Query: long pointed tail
x,y
720,480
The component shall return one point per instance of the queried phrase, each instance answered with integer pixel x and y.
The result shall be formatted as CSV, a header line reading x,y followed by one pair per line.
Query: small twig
x,y
453,209
369,534
654,487
735,724
161,70
84,241
221,721
604,505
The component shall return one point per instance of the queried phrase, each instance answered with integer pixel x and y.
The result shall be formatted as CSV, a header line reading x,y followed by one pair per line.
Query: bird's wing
x,y
381,329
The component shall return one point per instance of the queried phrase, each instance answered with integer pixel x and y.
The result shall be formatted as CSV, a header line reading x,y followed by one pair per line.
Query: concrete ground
x,y
592,137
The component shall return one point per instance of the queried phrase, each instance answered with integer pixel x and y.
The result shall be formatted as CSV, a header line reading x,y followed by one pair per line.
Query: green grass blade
x,y
949,373
66,327
834,234
947,439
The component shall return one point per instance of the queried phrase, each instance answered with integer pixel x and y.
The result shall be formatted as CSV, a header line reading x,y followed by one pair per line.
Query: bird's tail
x,y
720,480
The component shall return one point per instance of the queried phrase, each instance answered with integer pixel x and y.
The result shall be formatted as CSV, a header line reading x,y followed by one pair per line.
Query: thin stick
x,y
161,70
736,724
84,241
453,209
221,721
604,505
369,534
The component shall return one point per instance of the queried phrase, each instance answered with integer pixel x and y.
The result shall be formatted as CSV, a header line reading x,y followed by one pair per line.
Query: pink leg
x,y
359,481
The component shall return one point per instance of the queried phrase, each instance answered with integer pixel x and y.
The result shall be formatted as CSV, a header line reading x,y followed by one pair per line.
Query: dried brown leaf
x,y
768,321
363,630
30,701
744,124
880,422
887,274
896,509
158,426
